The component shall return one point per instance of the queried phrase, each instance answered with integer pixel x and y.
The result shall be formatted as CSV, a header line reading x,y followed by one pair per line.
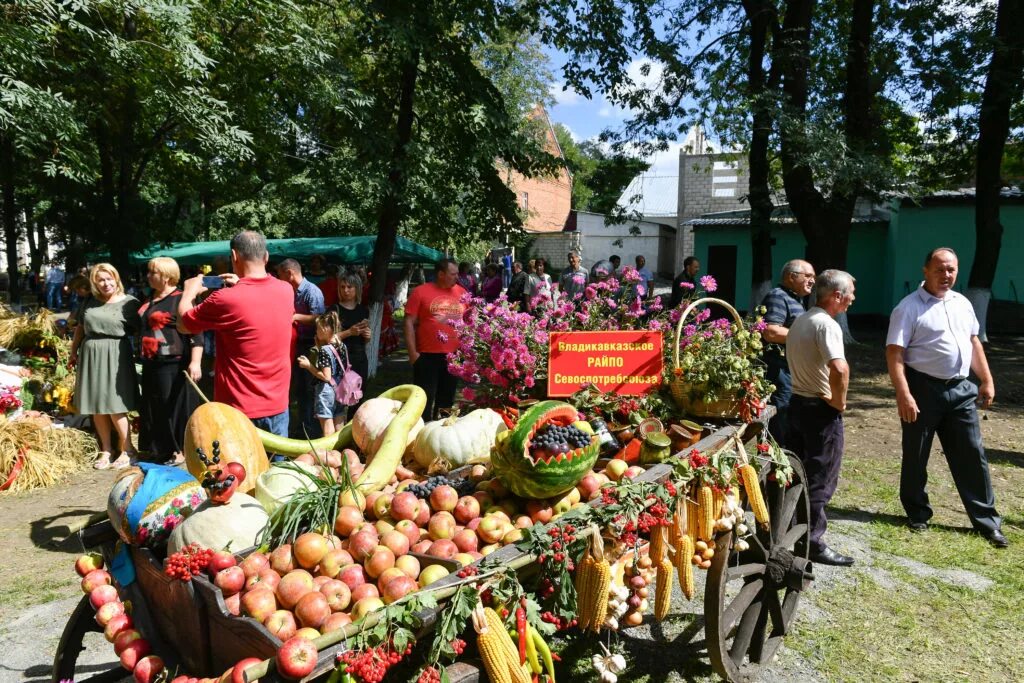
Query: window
x,y
524,201
731,192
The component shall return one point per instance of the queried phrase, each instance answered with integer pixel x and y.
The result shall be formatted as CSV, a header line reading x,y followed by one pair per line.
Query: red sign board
x,y
629,362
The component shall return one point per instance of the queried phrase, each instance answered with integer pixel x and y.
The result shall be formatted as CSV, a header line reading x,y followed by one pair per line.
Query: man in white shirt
x,y
821,377
931,348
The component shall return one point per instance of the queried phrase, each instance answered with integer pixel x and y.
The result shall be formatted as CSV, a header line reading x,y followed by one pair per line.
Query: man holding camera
x,y
251,318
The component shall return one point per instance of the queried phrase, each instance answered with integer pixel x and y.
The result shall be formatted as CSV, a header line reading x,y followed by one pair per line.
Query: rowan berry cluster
x,y
188,562
458,646
467,571
560,623
371,664
429,675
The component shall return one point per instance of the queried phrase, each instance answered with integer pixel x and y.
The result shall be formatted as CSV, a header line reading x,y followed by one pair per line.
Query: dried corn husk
x,y
50,455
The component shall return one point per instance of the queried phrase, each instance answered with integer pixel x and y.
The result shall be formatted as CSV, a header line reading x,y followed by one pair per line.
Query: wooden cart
x,y
750,600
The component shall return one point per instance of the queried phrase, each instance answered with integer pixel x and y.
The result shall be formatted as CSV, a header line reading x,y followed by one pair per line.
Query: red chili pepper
x,y
555,657
521,632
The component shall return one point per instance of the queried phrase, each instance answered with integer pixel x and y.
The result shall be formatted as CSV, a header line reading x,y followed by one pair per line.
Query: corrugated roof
x,y
652,195
745,220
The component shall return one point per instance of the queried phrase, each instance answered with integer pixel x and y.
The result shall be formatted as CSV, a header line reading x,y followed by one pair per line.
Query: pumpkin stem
x,y
195,386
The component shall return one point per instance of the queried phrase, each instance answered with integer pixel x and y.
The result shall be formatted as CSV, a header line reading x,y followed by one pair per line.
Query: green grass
x,y
24,591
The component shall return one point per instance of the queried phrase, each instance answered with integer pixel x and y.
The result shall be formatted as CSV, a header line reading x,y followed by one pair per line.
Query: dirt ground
x,y
36,565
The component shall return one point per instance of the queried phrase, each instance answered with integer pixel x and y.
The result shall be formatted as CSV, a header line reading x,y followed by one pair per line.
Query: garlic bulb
x,y
616,663
742,529
608,677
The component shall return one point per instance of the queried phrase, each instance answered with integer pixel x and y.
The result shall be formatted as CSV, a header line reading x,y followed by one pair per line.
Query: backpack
x,y
348,391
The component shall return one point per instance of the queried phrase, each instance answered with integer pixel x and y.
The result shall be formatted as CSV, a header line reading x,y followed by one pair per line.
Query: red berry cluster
x,y
429,675
188,562
372,664
458,646
467,571
560,623
697,459
561,539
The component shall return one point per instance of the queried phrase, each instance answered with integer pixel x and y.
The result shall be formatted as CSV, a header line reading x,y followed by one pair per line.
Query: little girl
x,y
328,370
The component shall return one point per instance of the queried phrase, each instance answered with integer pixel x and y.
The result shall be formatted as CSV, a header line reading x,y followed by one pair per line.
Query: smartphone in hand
x,y
213,282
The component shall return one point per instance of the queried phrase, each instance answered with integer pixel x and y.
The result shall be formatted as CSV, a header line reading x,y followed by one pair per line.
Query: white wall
x,y
598,239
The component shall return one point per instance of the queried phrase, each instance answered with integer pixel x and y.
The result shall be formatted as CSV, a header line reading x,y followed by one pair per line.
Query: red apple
x,y
353,575
397,541
473,523
335,621
240,667
297,658
522,522
382,558
233,604
333,561
267,578
101,595
254,564
337,593
147,669
484,499
259,603
108,611
466,508
409,529
382,526
539,510
312,609
348,518
221,560
366,590
88,563
230,580
361,544
404,505
95,579
319,581
398,588
282,624
443,548
444,498
490,529
308,633
465,540
122,639
281,560
422,513
408,565
293,586
421,547
441,525
133,652
309,548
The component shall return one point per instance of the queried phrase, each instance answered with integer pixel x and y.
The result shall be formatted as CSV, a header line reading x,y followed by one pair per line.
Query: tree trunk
x,y
1002,90
392,204
10,221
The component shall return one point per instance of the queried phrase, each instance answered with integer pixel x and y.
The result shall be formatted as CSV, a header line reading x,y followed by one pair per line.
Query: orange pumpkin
x,y
238,438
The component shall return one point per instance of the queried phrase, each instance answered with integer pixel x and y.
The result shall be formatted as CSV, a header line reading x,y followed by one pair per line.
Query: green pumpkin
x,y
517,470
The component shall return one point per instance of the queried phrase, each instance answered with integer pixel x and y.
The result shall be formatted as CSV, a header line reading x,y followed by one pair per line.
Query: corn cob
x,y
657,544
488,642
753,489
602,581
692,517
717,498
508,650
678,528
685,567
663,592
705,516
583,582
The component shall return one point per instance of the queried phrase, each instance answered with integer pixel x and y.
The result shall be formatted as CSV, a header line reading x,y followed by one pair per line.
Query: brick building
x,y
547,200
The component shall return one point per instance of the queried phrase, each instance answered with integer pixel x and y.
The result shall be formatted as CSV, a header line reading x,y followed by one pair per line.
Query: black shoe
x,y
918,527
829,556
997,539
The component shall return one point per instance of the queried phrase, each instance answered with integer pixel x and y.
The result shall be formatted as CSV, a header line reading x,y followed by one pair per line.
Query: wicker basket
x,y
690,397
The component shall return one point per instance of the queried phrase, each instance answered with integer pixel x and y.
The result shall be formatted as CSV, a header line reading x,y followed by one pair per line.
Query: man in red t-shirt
x,y
430,336
251,318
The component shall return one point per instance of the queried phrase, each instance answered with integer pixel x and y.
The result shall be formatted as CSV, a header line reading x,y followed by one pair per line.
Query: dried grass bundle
x,y
24,330
50,455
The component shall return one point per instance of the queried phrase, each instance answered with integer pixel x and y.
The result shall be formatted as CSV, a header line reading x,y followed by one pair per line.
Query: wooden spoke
x,y
744,570
793,535
752,616
788,509
741,602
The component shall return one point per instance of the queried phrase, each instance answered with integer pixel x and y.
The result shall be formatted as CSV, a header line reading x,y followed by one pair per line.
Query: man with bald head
x,y
783,305
931,348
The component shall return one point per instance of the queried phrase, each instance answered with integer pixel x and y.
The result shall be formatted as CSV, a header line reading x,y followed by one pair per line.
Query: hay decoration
x,y
50,455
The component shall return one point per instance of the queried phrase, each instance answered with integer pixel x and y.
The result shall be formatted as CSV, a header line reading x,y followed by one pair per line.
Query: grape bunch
x,y
423,489
554,439
188,562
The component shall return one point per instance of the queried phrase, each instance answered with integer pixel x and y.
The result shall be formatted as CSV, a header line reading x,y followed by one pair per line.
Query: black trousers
x,y
947,408
430,373
167,403
778,374
815,434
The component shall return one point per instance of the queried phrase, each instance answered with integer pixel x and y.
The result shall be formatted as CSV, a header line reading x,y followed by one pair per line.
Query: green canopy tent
x,y
338,250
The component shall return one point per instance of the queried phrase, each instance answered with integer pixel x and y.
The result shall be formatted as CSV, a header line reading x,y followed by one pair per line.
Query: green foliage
x,y
599,176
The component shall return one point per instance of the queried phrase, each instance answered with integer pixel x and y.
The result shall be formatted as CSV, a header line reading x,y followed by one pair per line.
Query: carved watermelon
x,y
529,478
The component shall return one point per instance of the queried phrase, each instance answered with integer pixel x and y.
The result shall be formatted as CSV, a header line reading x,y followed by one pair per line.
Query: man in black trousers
x,y
931,348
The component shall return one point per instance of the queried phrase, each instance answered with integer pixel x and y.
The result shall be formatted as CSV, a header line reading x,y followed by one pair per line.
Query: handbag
x,y
349,390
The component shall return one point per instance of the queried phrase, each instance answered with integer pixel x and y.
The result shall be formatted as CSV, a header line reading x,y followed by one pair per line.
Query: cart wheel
x,y
71,645
751,598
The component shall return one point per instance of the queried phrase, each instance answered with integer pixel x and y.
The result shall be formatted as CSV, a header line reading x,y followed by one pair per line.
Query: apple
x,y
497,489
422,513
367,590
352,497
408,565
95,579
233,604
309,548
222,559
333,561
490,529
522,522
404,505
432,573
297,657
484,499
382,558
108,611
615,469
477,473
465,540
312,609
421,547
88,563
588,485
361,544
352,575
122,639
281,560
147,668
254,564
238,669
382,526
396,541
133,652
398,588
101,595
281,623
513,535
490,548
308,633
382,505
267,578
441,525
335,621
386,577
409,529
338,594
443,548
293,586
259,603
230,580
633,471
319,581
118,623
349,516
365,606
444,498
473,524
463,559
466,508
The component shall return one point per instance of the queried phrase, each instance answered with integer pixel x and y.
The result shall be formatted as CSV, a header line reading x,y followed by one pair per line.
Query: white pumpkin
x,y
458,441
278,484
372,420
235,525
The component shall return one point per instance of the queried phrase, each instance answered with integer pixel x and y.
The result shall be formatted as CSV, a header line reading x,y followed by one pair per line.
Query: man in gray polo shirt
x,y
931,348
